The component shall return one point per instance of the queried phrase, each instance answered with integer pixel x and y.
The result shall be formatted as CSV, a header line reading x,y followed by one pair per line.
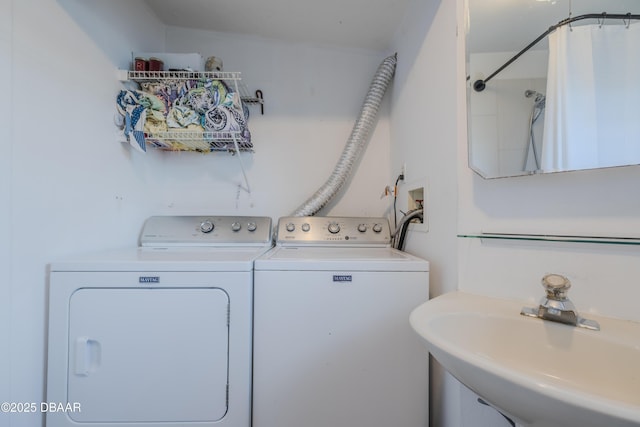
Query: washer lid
x,y
331,258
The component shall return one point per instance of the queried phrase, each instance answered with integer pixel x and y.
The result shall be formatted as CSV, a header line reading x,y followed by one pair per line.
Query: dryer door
x,y
148,355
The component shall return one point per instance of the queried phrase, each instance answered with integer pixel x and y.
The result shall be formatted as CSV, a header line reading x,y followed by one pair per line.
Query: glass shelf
x,y
556,238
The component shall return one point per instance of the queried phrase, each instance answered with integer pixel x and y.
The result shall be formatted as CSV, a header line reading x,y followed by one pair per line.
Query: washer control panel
x,y
159,231
333,231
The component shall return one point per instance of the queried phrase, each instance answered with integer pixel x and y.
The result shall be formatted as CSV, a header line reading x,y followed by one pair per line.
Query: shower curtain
x,y
592,114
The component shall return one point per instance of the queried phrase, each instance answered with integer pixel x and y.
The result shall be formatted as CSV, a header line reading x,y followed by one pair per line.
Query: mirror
x,y
513,117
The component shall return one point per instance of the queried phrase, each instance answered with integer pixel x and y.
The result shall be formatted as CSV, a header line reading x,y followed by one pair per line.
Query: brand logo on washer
x,y
149,279
342,278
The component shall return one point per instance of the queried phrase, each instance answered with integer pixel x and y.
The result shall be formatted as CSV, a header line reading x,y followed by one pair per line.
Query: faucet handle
x,y
556,286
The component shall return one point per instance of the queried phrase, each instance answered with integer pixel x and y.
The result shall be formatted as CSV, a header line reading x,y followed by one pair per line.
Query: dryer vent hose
x,y
356,143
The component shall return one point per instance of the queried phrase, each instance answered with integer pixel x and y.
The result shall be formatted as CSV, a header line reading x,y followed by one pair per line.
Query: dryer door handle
x,y
87,356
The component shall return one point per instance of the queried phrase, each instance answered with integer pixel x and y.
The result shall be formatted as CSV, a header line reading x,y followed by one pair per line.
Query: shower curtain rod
x,y
479,85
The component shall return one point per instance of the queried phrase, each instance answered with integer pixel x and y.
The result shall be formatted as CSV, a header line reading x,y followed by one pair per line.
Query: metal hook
x,y
261,98
570,13
604,16
570,21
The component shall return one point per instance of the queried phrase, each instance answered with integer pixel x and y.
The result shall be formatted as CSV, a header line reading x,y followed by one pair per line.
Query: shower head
x,y
539,99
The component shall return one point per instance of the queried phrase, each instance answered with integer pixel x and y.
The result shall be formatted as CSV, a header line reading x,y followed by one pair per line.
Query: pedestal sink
x,y
539,373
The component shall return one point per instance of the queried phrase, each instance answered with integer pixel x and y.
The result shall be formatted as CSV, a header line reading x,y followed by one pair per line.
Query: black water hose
x,y
401,230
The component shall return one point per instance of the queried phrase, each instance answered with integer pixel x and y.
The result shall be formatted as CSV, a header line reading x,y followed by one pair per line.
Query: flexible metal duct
x,y
356,142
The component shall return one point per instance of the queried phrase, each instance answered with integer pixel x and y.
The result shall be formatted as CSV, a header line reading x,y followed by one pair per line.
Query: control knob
x,y
362,228
252,226
290,227
306,227
334,228
377,228
236,226
206,226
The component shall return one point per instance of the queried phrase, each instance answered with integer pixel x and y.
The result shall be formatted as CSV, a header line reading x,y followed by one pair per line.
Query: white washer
x,y
159,335
332,341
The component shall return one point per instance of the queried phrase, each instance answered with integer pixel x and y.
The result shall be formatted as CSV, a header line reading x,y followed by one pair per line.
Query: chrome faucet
x,y
556,307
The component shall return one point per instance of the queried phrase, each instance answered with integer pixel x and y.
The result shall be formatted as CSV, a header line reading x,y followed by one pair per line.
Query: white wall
x,y
313,95
6,128
424,130
588,203
61,173
585,203
424,134
67,186
431,96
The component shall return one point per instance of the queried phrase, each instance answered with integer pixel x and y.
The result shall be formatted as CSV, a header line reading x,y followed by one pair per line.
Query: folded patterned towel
x,y
134,118
181,116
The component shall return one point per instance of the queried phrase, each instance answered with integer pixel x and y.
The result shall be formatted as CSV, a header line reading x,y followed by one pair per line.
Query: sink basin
x,y
539,373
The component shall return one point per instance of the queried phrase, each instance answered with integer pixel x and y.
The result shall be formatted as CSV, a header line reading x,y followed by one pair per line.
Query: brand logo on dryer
x,y
342,278
149,279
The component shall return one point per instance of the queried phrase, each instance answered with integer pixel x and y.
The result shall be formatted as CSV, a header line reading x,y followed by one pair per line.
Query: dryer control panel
x,y
159,231
333,231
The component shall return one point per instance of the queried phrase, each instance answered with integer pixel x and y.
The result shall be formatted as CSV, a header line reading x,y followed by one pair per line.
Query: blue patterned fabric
x,y
176,105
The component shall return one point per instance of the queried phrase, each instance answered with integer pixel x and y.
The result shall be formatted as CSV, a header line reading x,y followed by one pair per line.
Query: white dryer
x,y
332,341
158,335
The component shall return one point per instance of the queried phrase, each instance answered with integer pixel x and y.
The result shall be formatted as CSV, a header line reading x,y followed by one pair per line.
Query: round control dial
x,y
252,226
377,228
362,228
206,226
306,227
334,228
290,227
236,226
